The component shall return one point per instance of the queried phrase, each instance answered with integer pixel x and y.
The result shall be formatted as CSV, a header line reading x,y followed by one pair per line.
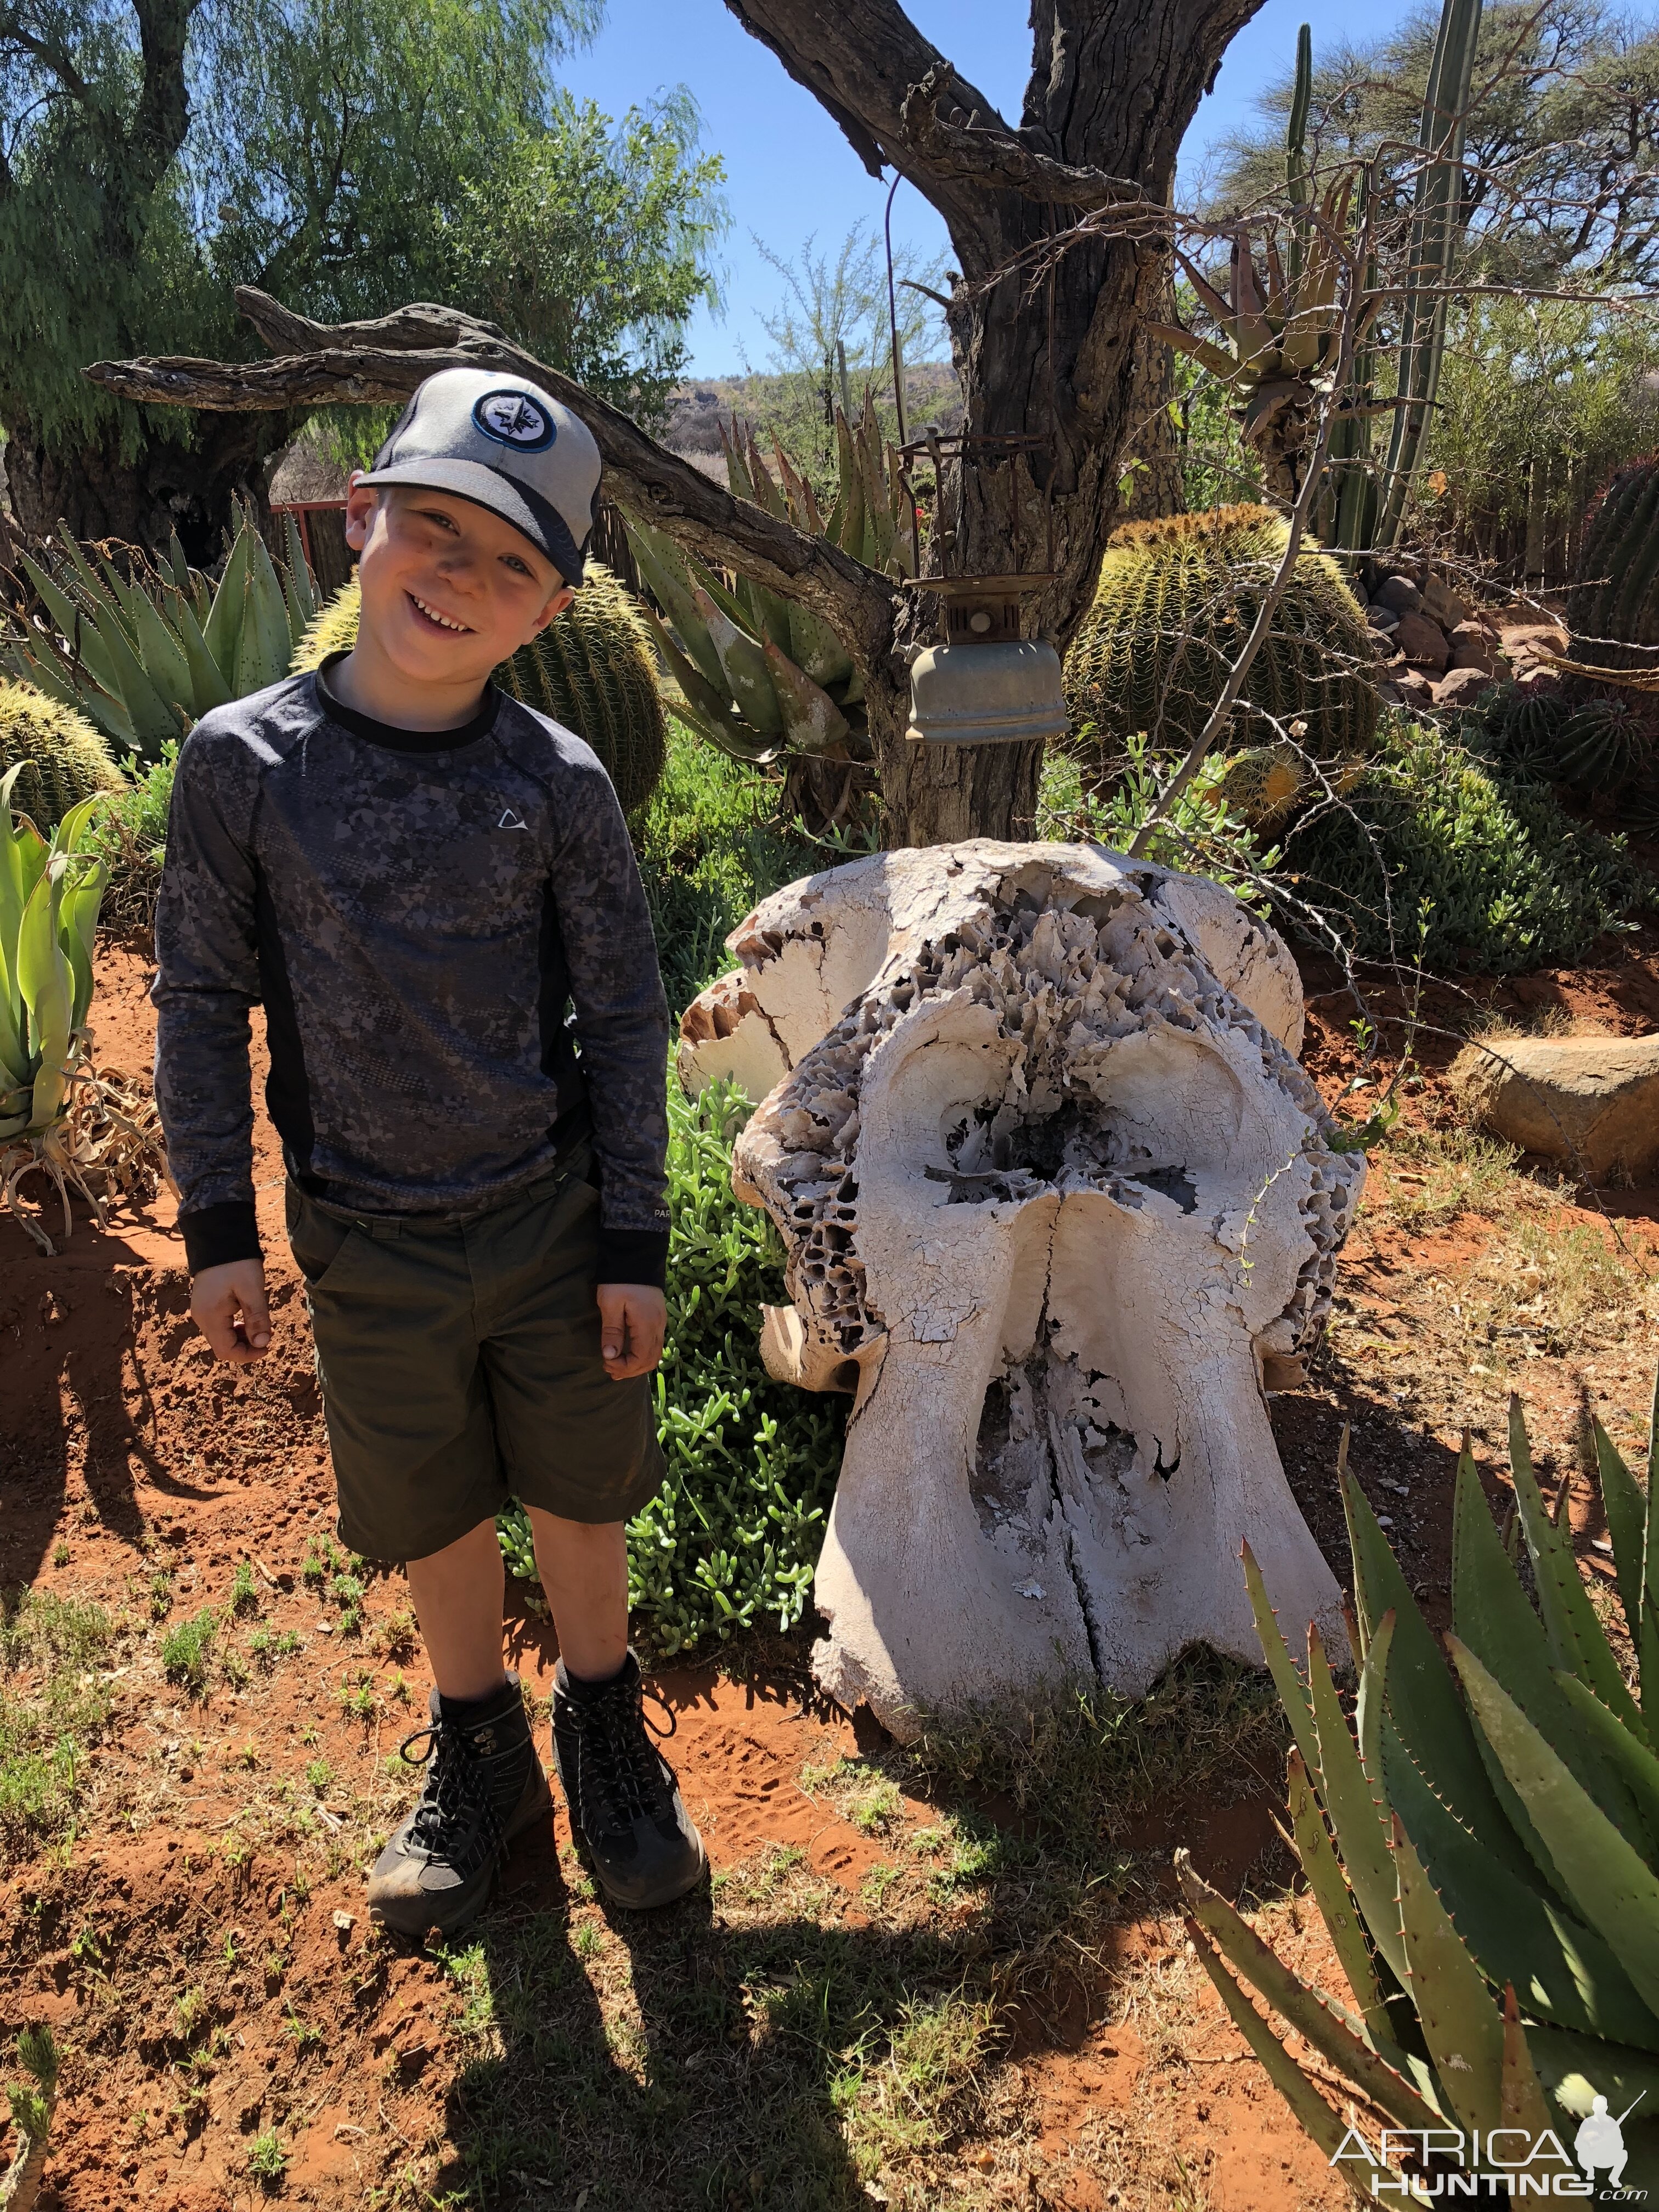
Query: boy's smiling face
x,y
449,590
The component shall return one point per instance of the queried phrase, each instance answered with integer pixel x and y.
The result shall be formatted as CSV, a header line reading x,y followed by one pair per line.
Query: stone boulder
x,y
1422,641
1473,646
1591,1101
1462,687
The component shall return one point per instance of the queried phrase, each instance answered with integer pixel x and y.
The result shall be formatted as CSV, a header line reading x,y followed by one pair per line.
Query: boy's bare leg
x,y
584,1571
457,1594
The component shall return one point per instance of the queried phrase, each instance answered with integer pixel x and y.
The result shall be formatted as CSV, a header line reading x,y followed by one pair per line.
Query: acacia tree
x,y
1114,84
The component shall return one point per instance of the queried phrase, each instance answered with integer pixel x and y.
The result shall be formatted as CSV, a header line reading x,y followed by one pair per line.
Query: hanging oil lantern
x,y
983,684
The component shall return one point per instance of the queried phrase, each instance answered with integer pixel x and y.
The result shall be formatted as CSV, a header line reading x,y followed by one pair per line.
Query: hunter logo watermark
x,y
513,418
1503,2163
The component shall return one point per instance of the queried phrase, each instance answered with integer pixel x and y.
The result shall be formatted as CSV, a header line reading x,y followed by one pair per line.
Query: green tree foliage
x,y
349,155
1540,400
1562,149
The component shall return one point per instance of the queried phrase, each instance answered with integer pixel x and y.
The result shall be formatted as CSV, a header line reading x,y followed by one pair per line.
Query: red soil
x,y
125,1450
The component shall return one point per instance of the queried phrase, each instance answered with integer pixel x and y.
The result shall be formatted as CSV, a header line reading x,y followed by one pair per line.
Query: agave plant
x,y
49,894
145,658
762,676
1482,1843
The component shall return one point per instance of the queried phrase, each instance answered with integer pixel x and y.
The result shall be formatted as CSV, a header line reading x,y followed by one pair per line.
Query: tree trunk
x,y
168,487
1151,476
1044,343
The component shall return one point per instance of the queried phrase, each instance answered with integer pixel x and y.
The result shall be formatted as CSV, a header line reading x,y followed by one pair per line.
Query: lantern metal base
x,y
1005,693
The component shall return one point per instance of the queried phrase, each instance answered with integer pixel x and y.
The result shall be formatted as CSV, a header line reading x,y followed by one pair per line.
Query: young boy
x,y
416,876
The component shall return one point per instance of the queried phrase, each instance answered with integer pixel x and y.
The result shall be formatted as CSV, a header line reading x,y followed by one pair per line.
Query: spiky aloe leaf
x,y
1422,1697
1328,2027
1461,2024
222,628
1292,1690
1522,2095
1647,1645
663,567
1312,2114
208,687
1577,1637
1516,1929
1622,1502
1614,1890
814,647
1492,1615
263,644
162,652
1349,1795
1576,2068
47,982
1634,1762
812,722
1328,1886
743,662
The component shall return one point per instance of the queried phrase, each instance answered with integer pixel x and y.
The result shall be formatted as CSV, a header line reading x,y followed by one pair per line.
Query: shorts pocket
x,y
315,1238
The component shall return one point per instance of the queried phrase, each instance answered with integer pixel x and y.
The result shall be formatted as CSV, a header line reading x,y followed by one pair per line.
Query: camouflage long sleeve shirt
x,y
419,914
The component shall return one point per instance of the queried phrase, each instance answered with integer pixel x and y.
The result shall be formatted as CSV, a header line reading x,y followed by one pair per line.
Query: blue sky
x,y
789,172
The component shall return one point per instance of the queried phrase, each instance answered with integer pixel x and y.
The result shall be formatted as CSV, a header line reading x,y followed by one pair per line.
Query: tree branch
x,y
163,116
369,363
959,145
859,68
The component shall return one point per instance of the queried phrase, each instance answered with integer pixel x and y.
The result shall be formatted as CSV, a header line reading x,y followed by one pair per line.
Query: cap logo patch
x,y
513,418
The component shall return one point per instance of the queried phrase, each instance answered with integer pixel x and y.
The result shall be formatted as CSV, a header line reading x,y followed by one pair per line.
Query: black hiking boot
x,y
484,1785
624,1802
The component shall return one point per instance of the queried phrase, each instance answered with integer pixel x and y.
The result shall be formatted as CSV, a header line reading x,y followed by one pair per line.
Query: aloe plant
x,y
145,658
1482,1843
1279,323
50,890
760,675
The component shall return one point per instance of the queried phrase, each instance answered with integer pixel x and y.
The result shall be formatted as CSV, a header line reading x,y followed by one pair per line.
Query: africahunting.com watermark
x,y
1452,2163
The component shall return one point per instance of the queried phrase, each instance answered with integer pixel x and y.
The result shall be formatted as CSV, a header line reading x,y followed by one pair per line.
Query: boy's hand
x,y
633,1322
229,1306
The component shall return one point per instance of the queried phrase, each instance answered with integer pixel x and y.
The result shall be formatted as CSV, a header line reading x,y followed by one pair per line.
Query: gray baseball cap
x,y
508,445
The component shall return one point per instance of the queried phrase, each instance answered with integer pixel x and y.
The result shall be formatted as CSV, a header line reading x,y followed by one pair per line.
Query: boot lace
x,y
455,1806
619,1761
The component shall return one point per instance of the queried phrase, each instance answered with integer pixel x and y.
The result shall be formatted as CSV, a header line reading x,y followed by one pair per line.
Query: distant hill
x,y
790,408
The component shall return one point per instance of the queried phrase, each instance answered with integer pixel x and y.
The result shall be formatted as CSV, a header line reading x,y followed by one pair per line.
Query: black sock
x,y
462,1712
586,1685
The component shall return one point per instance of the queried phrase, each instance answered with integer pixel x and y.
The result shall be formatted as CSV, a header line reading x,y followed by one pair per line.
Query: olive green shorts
x,y
461,1367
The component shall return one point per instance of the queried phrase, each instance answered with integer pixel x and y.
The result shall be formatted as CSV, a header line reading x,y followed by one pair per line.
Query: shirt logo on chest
x,y
511,821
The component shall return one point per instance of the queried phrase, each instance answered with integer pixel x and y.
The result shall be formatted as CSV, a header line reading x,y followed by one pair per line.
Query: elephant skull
x,y
1059,1207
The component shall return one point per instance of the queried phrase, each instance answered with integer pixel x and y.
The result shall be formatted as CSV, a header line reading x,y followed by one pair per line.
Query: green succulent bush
x,y
1482,1841
731,1540
1476,862
1176,601
592,668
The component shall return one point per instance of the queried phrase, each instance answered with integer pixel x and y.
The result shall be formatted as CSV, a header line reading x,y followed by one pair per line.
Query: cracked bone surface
x,y
1059,1205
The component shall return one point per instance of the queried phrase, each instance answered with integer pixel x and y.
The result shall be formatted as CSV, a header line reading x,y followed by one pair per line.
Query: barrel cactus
x,y
1614,605
65,758
592,668
1176,601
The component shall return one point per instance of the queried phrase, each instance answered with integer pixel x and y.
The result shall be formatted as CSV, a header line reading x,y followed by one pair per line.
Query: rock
x,y
1421,641
1442,605
1414,687
1398,594
1462,687
1591,1101
1473,646
1533,641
